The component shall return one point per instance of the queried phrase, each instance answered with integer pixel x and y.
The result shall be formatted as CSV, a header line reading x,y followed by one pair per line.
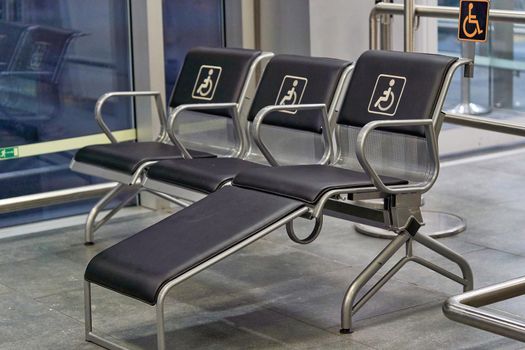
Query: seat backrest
x,y
10,37
291,79
213,75
413,82
43,50
295,137
389,85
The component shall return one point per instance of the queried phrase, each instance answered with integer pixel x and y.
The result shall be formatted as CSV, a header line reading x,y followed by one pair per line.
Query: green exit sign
x,y
8,153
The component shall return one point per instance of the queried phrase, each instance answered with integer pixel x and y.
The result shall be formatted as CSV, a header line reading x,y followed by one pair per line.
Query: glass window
x,y
189,23
56,58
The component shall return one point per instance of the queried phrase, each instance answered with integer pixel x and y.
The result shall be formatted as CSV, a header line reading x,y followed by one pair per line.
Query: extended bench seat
x,y
147,265
142,264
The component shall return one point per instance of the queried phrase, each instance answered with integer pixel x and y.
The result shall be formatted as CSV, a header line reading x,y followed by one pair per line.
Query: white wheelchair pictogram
x,y
471,19
206,87
387,94
291,95
387,97
206,82
291,92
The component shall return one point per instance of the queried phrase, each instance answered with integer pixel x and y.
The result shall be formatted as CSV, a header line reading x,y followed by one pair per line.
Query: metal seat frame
x,y
131,185
400,213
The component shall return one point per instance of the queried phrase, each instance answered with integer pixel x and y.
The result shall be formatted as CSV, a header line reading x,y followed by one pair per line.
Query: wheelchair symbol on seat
x,y
471,19
291,91
206,83
387,94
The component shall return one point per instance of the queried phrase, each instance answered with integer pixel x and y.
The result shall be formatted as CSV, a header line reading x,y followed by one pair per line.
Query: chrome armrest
x,y
465,308
204,106
158,103
328,155
432,146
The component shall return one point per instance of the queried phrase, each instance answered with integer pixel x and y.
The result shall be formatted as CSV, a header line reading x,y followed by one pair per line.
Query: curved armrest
x,y
432,145
466,308
328,155
102,99
204,106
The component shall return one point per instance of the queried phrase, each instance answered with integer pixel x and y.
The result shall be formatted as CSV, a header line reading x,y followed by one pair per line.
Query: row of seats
x,y
373,128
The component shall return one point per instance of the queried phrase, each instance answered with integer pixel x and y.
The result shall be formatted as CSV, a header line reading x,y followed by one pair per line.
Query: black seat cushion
x,y
140,265
418,81
128,156
305,182
204,174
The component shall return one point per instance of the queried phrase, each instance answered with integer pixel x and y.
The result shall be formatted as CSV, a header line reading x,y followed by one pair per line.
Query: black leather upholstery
x,y
424,74
235,64
128,156
322,75
140,265
205,174
305,182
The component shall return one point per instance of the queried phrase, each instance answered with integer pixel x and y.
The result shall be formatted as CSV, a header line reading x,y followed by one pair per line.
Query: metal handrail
x,y
507,16
431,146
466,308
53,197
328,154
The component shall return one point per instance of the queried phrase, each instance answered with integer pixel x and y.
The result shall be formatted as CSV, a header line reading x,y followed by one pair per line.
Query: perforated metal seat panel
x,y
305,182
140,265
128,156
205,175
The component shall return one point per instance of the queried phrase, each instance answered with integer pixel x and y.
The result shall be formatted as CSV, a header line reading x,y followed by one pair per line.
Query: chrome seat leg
x,y
431,243
348,308
91,224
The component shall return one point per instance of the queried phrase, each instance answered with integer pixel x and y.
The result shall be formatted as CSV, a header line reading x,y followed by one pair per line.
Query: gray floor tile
x,y
489,266
317,300
45,275
425,327
23,318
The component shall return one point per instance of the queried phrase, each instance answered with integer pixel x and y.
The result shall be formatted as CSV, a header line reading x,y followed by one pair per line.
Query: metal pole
x,y
54,197
468,50
409,25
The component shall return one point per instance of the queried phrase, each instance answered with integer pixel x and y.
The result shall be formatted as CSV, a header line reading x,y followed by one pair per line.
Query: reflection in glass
x,y
56,58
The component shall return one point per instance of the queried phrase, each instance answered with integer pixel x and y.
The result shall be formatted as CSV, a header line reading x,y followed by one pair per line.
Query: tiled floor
x,y
276,294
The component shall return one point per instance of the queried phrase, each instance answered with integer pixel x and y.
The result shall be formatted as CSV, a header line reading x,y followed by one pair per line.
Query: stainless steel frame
x,y
400,213
133,183
466,308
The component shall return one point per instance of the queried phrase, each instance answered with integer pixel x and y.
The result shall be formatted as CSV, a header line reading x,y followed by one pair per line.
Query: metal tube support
x,y
161,337
90,221
354,288
88,321
446,252
409,25
373,30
